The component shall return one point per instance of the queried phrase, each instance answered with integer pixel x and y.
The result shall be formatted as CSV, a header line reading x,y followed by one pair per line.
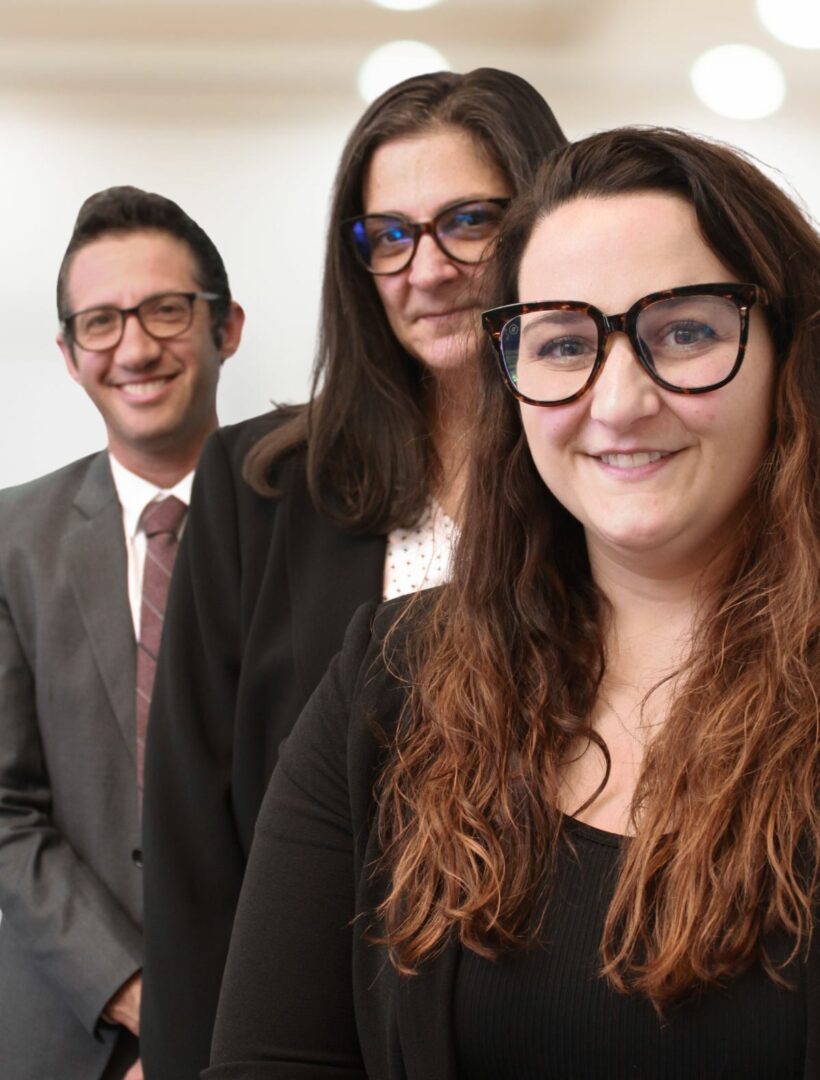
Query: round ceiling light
x,y
739,81
395,61
405,5
794,22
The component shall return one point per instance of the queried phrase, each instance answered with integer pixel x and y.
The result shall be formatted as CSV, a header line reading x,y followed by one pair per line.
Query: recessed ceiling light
x,y
739,81
405,5
395,61
794,22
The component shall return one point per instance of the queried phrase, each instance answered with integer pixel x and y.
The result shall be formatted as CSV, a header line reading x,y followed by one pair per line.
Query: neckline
x,y
593,833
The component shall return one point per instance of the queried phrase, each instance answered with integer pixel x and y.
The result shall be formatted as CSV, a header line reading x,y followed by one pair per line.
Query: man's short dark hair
x,y
125,209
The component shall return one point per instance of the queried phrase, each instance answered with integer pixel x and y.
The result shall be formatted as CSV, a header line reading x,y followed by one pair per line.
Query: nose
x,y
430,266
623,393
137,348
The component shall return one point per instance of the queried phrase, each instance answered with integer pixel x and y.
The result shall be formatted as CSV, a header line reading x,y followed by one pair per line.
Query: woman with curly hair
x,y
561,817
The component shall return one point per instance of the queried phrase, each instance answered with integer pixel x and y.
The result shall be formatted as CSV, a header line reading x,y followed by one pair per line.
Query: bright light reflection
x,y
397,60
739,81
405,5
794,22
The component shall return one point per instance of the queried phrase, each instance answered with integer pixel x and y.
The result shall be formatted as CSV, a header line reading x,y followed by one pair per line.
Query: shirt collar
x,y
135,493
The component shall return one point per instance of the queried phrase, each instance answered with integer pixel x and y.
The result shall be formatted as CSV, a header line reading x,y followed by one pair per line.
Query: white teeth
x,y
632,461
144,388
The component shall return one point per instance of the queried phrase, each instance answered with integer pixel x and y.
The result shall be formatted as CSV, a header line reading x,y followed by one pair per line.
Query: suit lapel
x,y
330,573
98,568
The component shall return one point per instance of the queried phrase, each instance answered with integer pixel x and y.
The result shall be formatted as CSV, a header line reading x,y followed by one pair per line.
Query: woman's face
x,y
675,512
432,304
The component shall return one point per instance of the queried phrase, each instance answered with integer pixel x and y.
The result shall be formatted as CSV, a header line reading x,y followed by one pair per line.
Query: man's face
x,y
156,397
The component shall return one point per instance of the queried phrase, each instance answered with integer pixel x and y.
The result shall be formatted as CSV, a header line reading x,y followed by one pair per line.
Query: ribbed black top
x,y
545,1014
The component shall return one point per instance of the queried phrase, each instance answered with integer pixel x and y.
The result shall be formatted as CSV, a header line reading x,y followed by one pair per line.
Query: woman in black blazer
x,y
293,513
561,817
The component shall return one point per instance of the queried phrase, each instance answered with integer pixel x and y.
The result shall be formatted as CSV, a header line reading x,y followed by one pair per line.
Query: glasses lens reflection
x,y
465,231
386,244
550,354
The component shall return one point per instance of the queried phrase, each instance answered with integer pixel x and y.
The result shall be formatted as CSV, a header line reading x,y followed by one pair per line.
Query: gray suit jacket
x,y
70,886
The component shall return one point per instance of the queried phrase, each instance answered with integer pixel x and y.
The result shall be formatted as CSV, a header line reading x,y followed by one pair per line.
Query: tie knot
x,y
164,516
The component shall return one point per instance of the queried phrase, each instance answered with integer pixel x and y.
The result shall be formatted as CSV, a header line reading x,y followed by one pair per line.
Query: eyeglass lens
x,y
160,316
691,342
387,244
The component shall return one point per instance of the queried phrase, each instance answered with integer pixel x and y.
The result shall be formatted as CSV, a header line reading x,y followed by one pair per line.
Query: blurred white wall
x,y
254,163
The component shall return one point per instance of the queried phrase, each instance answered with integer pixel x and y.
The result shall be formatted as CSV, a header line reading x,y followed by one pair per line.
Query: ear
x,y
68,357
232,331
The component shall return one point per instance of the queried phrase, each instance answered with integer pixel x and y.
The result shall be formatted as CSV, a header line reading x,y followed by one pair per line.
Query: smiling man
x,y
146,321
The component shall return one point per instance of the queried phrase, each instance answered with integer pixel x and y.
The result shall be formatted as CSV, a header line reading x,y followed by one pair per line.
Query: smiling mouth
x,y
633,461
145,388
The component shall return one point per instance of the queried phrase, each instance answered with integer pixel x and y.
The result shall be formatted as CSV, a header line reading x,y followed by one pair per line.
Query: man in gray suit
x,y
146,321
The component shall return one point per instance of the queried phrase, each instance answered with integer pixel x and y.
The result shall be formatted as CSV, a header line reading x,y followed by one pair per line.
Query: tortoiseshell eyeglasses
x,y
689,340
465,232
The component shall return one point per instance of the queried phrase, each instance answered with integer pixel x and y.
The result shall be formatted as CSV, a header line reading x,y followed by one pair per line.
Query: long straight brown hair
x,y
505,665
370,457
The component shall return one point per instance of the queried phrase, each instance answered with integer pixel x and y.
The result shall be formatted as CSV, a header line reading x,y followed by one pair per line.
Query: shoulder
x,y
235,440
38,506
395,621
380,632
239,438
66,478
366,686
377,636
223,457
368,667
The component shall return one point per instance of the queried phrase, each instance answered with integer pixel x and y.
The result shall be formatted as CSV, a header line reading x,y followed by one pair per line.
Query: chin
x,y
640,539
158,437
660,553
444,357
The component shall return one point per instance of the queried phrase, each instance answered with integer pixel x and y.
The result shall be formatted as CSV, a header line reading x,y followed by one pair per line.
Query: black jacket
x,y
263,590
306,994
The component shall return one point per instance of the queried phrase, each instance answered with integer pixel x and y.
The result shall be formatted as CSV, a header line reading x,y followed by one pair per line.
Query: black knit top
x,y
545,1014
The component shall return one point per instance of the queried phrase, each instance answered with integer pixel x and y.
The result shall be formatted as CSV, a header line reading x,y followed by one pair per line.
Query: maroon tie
x,y
160,521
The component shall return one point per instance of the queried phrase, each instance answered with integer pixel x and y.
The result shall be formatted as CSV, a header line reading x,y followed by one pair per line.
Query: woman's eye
x,y
686,334
475,219
390,237
469,219
563,348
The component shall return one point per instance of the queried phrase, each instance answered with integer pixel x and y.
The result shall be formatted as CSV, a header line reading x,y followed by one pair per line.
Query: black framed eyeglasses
x,y
165,315
689,340
465,232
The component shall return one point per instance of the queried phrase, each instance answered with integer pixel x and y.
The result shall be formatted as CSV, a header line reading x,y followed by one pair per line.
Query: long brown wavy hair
x,y
505,664
371,462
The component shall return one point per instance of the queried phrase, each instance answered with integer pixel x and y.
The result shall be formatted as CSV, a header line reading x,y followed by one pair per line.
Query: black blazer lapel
x,y
98,568
812,1070
425,1019
330,574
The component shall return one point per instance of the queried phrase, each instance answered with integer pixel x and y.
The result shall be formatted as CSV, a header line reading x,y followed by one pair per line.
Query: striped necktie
x,y
160,521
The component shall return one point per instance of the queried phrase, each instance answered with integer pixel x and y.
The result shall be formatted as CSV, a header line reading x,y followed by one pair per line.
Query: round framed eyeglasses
x,y
165,315
689,340
465,232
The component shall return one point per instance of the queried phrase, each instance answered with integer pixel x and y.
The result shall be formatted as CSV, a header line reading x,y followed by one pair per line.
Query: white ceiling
x,y
585,47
